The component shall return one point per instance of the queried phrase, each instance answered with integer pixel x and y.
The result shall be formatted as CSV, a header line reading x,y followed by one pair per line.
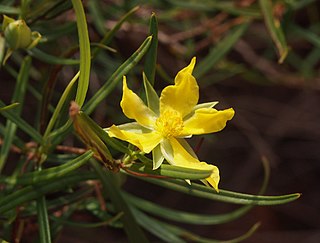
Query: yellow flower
x,y
162,127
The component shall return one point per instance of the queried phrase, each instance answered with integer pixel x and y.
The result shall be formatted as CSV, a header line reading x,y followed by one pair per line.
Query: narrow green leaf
x,y
4,9
18,96
212,6
151,56
59,106
306,34
152,96
110,34
73,197
105,90
8,107
191,237
50,59
154,227
184,217
58,31
134,232
43,220
223,195
98,20
299,4
22,124
86,225
94,207
16,141
117,76
51,173
275,30
220,50
23,195
85,54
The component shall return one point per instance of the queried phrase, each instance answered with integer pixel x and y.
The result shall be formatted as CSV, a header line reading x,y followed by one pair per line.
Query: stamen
x,y
170,123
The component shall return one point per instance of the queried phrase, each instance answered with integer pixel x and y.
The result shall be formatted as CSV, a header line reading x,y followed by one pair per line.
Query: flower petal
x,y
134,108
182,96
206,120
182,158
187,147
144,141
214,178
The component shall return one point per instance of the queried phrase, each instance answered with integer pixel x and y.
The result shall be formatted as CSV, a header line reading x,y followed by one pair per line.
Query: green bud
x,y
18,34
92,136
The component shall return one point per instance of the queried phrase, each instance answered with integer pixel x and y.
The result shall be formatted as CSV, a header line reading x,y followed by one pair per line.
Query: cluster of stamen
x,y
170,123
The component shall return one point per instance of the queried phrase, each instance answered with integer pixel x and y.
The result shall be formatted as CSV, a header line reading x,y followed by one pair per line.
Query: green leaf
x,y
74,197
59,107
220,50
8,107
275,30
184,217
4,9
18,96
22,124
94,207
51,173
50,59
151,56
191,237
58,135
214,6
110,34
111,83
296,5
98,20
223,195
306,34
87,225
43,220
134,232
154,227
29,193
85,54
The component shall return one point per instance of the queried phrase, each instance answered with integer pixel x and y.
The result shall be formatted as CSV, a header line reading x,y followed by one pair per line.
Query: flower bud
x,y
18,35
93,136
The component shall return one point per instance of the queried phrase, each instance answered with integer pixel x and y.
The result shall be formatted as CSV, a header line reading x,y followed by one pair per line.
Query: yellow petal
x,y
206,120
134,108
182,158
182,96
187,70
144,141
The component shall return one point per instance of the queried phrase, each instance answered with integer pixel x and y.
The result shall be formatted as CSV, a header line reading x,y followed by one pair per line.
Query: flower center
x,y
170,123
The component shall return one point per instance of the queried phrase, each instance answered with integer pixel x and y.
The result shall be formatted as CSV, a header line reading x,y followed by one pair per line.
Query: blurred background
x,y
263,62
